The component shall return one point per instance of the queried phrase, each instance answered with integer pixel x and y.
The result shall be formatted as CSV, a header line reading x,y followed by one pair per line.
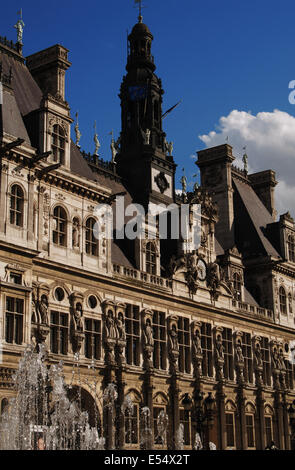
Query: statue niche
x,y
77,327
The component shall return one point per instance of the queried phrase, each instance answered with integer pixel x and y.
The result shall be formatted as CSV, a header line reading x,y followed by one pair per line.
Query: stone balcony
x,y
258,312
141,276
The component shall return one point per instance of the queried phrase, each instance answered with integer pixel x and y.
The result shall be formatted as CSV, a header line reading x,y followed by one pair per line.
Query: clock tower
x,y
145,159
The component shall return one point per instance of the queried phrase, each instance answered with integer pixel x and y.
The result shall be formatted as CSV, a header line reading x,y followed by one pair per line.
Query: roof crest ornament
x,y
20,27
140,7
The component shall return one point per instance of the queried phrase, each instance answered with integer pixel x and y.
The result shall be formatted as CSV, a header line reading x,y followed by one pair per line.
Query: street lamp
x,y
291,413
202,413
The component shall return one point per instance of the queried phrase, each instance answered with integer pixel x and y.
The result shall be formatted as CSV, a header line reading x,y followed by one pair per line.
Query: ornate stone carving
x,y
197,351
219,353
213,280
77,327
173,346
162,182
239,358
114,332
148,338
208,207
258,362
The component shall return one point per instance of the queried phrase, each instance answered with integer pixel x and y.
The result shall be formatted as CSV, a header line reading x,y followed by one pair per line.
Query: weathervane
x,y
20,27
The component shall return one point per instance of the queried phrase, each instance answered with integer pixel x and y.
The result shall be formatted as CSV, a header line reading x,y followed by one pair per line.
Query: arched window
x,y
4,405
283,301
58,144
230,428
17,206
150,258
250,426
291,248
90,238
237,286
268,420
60,226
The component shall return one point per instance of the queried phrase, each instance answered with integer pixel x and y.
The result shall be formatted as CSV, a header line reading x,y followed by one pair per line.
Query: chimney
x,y
48,68
215,165
264,184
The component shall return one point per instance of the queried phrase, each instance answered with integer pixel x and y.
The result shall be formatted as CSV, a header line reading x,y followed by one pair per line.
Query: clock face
x,y
202,270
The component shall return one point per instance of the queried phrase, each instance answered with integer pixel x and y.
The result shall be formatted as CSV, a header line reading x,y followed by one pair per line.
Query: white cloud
x,y
270,141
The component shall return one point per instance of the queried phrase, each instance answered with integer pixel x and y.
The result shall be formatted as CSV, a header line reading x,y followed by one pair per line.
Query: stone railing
x,y
260,312
141,276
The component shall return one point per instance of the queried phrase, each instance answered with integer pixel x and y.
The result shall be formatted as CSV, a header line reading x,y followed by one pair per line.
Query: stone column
x,y
280,420
260,411
3,191
173,351
30,224
148,349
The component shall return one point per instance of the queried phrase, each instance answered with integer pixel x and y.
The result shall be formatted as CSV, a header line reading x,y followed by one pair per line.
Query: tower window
x,y
14,320
58,144
17,206
291,248
150,258
283,301
91,240
60,226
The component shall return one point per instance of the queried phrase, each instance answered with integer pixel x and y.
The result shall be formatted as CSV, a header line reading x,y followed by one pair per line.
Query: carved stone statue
x,y
219,348
76,234
258,356
173,339
77,131
245,161
275,359
147,137
183,181
213,279
20,30
110,326
43,309
170,148
97,144
113,150
239,353
148,333
175,264
197,348
281,361
120,326
78,313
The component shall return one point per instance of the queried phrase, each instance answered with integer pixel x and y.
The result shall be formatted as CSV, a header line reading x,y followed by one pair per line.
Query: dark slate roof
x,y
79,164
259,215
12,121
27,93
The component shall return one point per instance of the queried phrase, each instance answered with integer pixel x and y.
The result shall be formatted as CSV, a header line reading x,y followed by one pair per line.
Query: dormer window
x,y
237,286
58,144
150,258
291,248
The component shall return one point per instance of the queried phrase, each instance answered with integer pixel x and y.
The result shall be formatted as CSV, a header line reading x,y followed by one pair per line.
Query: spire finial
x,y
140,7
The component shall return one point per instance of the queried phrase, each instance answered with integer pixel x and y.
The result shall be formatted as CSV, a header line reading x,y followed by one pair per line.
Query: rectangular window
x,y
268,429
59,332
206,342
184,345
185,420
250,431
289,374
227,342
247,353
16,278
160,341
265,352
230,430
132,324
14,320
92,343
131,426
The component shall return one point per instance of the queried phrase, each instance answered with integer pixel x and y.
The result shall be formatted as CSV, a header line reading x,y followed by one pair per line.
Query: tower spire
x,y
140,7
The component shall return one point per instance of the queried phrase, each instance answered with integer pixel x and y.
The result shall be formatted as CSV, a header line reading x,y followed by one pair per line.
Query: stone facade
x,y
162,322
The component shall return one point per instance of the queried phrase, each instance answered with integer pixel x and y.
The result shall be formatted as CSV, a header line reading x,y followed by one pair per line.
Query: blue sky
x,y
214,56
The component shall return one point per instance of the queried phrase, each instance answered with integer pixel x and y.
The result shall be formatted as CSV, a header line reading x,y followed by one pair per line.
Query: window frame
x,y
58,144
16,206
14,319
91,242
59,232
